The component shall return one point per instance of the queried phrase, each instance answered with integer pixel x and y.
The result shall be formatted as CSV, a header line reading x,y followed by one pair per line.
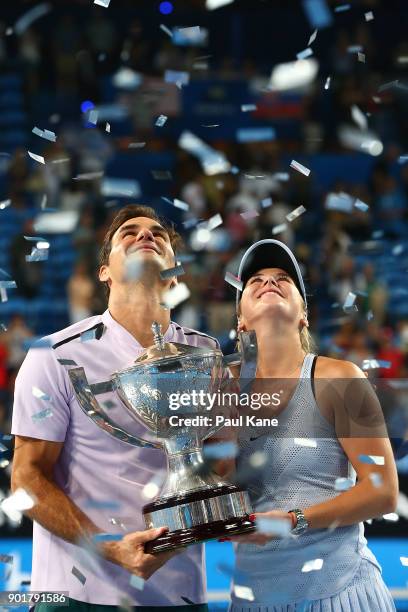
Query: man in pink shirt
x,y
84,481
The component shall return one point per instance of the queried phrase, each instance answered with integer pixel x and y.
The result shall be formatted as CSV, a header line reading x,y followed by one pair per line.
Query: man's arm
x,y
33,468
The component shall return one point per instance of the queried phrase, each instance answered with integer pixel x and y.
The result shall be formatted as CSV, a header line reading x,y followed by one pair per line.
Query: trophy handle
x,y
247,357
92,409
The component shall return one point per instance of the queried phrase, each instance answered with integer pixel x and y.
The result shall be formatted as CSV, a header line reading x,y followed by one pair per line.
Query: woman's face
x,y
270,292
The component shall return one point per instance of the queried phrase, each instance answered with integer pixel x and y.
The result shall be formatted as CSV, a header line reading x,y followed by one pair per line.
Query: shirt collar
x,y
116,327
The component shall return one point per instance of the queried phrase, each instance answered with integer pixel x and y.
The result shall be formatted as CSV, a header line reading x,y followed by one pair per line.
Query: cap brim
x,y
270,253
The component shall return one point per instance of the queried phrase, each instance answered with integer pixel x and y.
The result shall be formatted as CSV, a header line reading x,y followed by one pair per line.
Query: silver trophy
x,y
194,503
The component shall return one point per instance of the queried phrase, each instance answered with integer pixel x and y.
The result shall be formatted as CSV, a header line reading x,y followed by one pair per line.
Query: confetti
x,y
176,295
234,281
137,582
44,414
372,364
66,362
274,526
133,267
190,35
107,537
47,134
295,213
349,304
343,484
341,8
398,249
249,214
299,167
15,504
136,145
107,128
305,442
119,187
3,448
361,57
265,203
221,450
87,176
361,205
211,5
166,30
312,38
318,13
369,16
170,272
8,284
304,54
178,77
253,134
243,592
232,334
150,490
161,120
61,161
180,204
388,85
404,561
313,565
376,479
339,201
392,516
93,116
372,459
40,394
102,504
293,75
277,229
162,175
32,15
246,108
75,571
327,83
4,204
212,161
358,117
37,255
354,49
37,158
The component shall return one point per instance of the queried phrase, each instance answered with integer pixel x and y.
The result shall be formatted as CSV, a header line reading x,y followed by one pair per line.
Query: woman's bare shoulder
x,y
327,367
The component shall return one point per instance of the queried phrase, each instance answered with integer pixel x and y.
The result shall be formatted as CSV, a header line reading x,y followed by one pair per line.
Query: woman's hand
x,y
271,525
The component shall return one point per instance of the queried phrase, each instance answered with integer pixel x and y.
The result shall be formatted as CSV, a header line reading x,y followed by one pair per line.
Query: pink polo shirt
x,y
101,475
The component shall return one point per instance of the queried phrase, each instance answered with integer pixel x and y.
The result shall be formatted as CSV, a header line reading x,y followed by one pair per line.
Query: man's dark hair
x,y
129,212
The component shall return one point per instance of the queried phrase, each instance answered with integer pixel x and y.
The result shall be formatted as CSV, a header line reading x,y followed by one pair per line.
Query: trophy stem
x,y
187,472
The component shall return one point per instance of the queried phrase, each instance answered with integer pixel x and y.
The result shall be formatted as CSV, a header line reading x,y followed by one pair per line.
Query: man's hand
x,y
274,524
129,552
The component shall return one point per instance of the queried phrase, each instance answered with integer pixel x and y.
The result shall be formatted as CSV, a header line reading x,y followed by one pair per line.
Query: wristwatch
x,y
301,524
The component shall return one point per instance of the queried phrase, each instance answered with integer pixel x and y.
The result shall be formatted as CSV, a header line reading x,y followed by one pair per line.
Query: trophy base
x,y
200,533
199,515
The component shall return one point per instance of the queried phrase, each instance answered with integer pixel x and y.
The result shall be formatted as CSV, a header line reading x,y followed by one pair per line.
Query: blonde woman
x,y
323,563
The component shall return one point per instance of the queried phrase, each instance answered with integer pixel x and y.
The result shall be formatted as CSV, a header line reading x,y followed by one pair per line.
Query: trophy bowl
x,y
194,503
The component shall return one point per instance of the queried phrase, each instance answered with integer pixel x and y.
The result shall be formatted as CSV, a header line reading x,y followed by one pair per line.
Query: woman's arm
x,y
361,432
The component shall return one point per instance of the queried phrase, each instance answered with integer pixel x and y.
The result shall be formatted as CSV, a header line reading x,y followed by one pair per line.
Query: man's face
x,y
270,291
143,239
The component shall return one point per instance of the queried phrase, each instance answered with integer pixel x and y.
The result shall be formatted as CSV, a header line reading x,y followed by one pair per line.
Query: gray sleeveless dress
x,y
297,476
